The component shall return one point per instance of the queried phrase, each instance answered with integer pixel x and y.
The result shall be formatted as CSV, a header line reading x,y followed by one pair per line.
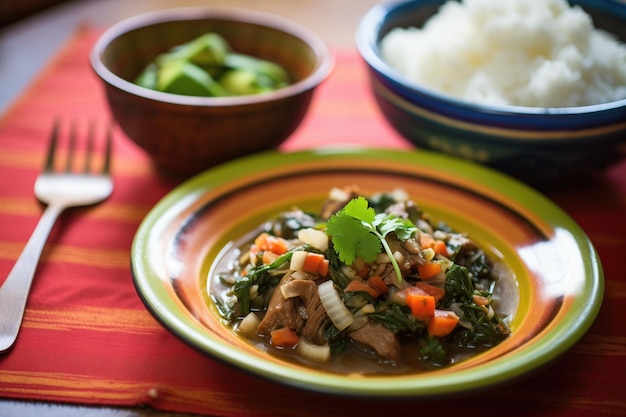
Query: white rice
x,y
537,53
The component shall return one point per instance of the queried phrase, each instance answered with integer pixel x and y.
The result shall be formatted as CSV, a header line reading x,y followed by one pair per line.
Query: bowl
x,y
552,296
186,134
531,143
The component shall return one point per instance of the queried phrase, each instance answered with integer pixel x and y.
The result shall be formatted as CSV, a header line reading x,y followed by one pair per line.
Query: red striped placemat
x,y
88,339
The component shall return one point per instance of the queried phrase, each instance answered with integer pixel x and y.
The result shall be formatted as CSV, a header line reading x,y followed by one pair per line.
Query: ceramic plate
x,y
556,290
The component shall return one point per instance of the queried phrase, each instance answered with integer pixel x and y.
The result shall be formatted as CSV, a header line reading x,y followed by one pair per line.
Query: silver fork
x,y
59,190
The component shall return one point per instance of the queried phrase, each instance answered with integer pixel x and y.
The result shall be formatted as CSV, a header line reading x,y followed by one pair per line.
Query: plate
x,y
557,282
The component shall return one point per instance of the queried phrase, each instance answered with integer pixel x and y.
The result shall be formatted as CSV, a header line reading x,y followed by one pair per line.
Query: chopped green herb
x,y
257,276
357,231
433,353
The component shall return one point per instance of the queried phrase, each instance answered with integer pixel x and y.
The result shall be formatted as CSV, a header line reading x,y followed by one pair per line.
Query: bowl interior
x,y
552,295
126,48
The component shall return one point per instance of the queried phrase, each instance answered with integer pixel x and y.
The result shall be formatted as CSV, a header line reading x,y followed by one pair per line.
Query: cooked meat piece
x,y
411,255
413,246
379,338
303,313
412,258
387,273
281,312
314,310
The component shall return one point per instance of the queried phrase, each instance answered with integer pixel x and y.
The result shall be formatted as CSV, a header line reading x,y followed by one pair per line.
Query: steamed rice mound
x,y
535,53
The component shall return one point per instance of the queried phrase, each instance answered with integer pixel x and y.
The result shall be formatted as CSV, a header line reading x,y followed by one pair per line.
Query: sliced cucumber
x,y
206,66
207,50
261,66
185,78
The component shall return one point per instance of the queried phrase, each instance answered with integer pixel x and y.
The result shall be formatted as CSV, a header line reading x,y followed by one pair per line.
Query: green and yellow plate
x,y
555,293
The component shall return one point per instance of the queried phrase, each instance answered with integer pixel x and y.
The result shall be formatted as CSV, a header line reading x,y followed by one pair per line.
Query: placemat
x,y
88,339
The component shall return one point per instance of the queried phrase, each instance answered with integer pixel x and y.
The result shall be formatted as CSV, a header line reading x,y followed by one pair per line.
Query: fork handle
x,y
14,291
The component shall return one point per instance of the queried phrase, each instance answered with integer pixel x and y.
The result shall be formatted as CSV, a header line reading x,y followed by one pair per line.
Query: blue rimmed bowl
x,y
533,144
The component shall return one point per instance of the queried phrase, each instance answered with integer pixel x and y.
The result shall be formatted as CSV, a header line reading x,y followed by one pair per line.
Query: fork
x,y
59,190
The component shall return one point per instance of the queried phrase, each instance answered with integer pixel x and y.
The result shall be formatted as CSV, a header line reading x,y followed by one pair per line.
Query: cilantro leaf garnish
x,y
358,231
353,232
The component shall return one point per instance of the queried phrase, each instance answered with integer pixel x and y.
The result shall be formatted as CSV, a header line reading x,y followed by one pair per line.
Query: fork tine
x,y
52,145
71,148
106,166
89,150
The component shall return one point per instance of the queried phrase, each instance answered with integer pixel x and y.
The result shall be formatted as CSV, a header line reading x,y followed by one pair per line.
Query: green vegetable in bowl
x,y
206,51
183,77
207,66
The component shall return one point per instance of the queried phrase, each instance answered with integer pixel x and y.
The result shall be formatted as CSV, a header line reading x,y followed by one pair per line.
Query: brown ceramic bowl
x,y
185,134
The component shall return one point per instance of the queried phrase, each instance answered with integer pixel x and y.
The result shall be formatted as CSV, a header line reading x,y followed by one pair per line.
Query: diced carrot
x,y
422,305
377,283
261,240
480,300
356,285
428,270
312,262
441,248
284,337
426,240
412,290
269,257
267,242
436,292
363,272
323,268
442,323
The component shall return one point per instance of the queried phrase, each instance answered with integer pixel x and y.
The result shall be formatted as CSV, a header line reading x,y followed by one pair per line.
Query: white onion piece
x,y
248,325
314,237
337,194
311,351
290,290
336,310
297,260
296,275
348,272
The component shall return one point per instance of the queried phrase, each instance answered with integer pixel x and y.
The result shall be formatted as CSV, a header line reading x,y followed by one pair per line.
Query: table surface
x,y
26,48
